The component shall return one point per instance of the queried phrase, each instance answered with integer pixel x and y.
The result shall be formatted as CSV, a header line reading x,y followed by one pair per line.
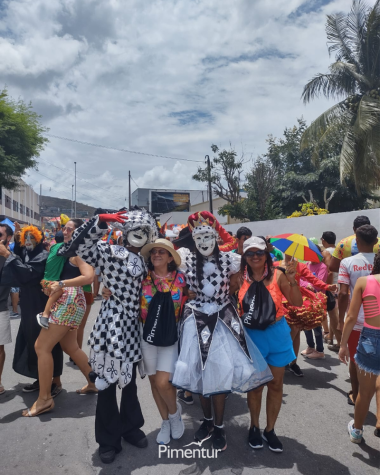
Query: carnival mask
x,y
30,242
205,243
137,237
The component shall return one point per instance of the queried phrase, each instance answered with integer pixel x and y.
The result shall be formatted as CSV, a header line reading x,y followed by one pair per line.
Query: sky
x,y
165,77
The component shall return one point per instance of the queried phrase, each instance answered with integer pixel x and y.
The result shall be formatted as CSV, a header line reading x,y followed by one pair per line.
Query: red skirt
x,y
311,314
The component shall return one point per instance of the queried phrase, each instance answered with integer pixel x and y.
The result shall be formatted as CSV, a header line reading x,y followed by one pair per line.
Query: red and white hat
x,y
202,222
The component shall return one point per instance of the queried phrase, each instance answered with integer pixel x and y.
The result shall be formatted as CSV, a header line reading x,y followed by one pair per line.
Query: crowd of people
x,y
205,314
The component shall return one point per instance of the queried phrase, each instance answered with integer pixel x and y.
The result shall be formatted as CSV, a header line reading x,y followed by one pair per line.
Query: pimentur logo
x,y
200,453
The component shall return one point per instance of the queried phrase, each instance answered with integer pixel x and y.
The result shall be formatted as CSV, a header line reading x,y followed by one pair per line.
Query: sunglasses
x,y
160,252
254,253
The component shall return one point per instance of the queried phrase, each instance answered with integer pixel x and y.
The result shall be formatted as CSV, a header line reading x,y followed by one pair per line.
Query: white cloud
x,y
167,78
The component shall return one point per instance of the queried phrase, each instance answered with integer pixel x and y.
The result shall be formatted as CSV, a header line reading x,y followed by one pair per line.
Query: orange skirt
x,y
311,314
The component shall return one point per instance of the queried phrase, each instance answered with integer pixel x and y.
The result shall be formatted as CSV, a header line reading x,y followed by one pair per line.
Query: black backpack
x,y
160,328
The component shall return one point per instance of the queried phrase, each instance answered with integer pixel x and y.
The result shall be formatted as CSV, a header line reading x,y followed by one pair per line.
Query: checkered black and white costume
x,y
115,337
214,356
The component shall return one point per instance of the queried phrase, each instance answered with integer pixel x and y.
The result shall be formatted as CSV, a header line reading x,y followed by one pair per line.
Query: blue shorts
x,y
274,343
367,355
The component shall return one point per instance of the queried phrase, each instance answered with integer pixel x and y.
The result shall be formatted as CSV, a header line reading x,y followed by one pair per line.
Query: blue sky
x,y
164,77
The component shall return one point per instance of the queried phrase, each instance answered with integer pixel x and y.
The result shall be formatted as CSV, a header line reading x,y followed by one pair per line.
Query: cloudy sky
x,y
164,77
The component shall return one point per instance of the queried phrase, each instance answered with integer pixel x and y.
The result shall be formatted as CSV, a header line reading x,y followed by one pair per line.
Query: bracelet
x,y
294,284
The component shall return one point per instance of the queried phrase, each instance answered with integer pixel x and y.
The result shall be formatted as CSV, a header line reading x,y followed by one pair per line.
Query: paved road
x,y
312,426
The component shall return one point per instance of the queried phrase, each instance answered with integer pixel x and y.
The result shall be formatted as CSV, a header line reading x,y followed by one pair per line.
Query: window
x,y
27,211
15,205
36,216
22,211
8,202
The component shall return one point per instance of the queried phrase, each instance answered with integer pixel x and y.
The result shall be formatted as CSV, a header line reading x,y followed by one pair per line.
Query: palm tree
x,y
354,78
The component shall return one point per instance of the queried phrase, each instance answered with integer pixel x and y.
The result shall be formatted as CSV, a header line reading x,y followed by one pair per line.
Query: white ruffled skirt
x,y
227,367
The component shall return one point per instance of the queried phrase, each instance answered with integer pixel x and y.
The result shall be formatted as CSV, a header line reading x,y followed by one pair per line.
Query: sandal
x,y
350,401
335,347
85,391
55,389
42,411
2,390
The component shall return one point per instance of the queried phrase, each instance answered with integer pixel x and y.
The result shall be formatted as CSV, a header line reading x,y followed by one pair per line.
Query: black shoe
x,y
219,441
108,454
295,369
254,438
205,431
273,441
42,321
186,399
29,388
138,439
377,432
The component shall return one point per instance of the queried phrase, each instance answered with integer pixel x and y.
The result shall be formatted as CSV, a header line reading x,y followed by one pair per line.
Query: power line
x,y
123,149
134,181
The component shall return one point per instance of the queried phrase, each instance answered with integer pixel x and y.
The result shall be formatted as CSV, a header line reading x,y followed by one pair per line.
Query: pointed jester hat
x,y
202,222
138,219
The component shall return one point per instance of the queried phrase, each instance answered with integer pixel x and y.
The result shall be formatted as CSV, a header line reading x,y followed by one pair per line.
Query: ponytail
x,y
376,264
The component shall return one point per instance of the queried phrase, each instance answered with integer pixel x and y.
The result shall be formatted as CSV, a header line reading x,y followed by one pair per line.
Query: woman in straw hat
x,y
160,303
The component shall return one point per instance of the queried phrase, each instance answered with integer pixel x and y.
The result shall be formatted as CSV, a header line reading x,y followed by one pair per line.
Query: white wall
x,y
311,226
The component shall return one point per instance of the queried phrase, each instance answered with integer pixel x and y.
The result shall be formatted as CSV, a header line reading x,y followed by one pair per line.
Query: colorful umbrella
x,y
298,246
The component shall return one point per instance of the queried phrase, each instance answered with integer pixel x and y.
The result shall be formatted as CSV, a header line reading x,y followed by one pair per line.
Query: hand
x,y
3,250
106,293
270,246
17,227
333,288
191,295
54,287
118,217
290,271
344,354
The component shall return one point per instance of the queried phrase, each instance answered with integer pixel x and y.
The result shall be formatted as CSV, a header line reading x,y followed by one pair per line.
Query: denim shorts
x,y
274,343
368,352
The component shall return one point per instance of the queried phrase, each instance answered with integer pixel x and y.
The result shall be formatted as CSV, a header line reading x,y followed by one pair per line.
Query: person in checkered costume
x,y
115,337
214,359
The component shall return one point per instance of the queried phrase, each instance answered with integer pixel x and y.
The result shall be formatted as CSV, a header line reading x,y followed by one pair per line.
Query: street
x,y
312,426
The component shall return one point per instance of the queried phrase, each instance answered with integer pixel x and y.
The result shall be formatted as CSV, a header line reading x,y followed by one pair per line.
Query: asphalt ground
x,y
312,426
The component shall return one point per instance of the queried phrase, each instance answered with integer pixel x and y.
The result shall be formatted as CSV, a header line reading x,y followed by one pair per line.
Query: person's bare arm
x,y
289,286
86,277
351,319
334,264
235,283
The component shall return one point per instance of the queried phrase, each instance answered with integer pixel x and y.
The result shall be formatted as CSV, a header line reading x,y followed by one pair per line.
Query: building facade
x,y
21,205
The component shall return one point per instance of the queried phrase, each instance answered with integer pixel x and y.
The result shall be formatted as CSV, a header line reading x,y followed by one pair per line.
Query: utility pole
x,y
129,192
209,181
72,201
41,204
75,182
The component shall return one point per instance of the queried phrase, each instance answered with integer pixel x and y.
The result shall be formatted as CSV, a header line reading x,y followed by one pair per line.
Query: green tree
x,y
354,78
21,139
226,170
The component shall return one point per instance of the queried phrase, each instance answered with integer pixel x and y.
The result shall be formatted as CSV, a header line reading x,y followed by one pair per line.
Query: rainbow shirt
x,y
347,247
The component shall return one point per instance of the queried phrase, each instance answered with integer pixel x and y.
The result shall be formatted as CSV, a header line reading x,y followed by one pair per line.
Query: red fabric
x,y
229,242
304,273
118,217
203,217
352,343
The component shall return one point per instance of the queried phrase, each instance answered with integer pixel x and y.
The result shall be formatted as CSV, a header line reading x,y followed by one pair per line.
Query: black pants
x,y
110,424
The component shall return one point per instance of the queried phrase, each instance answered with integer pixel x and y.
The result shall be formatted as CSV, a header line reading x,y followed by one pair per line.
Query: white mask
x,y
137,238
205,243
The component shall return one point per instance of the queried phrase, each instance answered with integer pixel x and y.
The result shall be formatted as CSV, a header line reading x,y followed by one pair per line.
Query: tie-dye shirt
x,y
163,284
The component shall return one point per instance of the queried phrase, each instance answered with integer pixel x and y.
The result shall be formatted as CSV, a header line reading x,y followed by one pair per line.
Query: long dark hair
x,y
376,264
244,265
200,262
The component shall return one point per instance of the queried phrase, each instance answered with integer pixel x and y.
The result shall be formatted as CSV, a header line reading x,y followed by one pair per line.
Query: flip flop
x,y
47,409
2,390
83,392
350,402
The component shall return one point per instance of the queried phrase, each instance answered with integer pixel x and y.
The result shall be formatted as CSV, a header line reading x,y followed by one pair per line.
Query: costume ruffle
x,y
311,314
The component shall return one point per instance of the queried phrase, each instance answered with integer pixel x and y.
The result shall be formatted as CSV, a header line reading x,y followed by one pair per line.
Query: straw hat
x,y
164,244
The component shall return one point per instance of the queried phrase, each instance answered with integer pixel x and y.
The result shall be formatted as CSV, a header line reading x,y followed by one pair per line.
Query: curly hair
x,y
35,232
376,264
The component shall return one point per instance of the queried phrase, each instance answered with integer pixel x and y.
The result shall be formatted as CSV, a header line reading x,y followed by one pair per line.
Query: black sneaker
x,y
273,441
205,431
219,441
295,369
254,438
186,399
107,455
42,321
29,388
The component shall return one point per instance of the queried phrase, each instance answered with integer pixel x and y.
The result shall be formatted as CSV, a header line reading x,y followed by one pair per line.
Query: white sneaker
x,y
163,437
177,427
356,435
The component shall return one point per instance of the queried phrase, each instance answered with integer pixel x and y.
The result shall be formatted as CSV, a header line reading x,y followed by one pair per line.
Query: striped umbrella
x,y
297,246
